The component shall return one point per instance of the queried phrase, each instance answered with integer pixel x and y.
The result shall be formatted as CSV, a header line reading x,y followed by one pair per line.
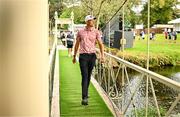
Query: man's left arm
x,y
101,47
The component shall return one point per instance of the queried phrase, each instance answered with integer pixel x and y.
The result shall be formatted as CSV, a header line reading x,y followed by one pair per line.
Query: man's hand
x,y
102,59
101,46
74,59
76,46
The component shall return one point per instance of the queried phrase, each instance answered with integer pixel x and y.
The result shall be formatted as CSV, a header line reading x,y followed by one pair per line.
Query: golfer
x,y
87,39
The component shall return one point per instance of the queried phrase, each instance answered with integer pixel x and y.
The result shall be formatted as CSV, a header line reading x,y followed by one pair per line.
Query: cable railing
x,y
123,88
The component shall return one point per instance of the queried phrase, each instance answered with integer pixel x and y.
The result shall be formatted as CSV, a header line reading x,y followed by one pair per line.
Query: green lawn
x,y
159,45
162,51
70,93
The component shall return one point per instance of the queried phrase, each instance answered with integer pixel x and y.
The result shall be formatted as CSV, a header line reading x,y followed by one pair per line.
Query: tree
x,y
131,17
78,14
103,10
161,11
54,5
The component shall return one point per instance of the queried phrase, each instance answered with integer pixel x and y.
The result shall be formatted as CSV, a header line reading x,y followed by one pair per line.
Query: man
x,y
70,39
87,39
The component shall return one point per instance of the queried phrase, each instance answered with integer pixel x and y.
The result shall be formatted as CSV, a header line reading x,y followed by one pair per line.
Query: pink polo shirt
x,y
88,39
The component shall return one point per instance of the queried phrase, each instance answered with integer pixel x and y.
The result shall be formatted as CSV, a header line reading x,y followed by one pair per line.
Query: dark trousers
x,y
87,62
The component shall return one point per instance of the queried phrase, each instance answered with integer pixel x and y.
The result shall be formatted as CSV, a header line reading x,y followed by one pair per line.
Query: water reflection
x,y
165,95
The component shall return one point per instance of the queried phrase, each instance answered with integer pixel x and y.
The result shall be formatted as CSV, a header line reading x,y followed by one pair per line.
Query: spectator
x,y
174,35
166,34
70,40
169,34
142,35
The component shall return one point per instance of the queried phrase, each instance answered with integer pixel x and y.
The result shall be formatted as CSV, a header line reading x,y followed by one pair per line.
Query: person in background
x,y
174,35
70,40
142,34
63,38
151,36
169,34
166,34
86,39
134,35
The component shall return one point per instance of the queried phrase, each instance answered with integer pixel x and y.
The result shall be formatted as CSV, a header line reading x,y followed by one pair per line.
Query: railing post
x,y
56,30
147,79
154,96
109,65
122,44
173,105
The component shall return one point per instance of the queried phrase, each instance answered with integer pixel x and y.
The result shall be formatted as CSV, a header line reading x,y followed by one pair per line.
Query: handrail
x,y
52,52
52,58
162,79
105,75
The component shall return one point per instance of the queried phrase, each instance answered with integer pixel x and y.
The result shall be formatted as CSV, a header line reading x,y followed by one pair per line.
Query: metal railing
x,y
123,89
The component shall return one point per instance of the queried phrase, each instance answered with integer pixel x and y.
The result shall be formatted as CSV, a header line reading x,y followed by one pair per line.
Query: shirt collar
x,y
89,29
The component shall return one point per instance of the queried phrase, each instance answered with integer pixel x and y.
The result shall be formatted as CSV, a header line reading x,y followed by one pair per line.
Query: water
x,y
165,95
170,72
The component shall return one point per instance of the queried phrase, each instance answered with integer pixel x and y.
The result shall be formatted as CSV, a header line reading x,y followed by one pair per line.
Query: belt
x,y
87,54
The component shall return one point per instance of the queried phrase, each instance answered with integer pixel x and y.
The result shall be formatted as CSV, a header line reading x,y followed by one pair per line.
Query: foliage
x,y
55,5
109,7
160,12
162,52
78,14
152,112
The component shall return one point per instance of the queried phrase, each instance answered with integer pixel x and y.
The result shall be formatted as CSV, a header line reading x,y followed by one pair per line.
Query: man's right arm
x,y
76,47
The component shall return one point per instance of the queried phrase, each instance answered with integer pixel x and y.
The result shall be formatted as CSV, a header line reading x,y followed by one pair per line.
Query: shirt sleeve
x,y
98,36
78,35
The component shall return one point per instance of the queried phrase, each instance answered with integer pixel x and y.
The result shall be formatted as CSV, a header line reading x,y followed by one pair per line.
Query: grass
x,y
162,52
159,45
70,93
